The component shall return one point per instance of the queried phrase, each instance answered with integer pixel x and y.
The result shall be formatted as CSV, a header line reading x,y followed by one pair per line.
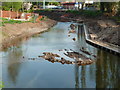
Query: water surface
x,y
19,72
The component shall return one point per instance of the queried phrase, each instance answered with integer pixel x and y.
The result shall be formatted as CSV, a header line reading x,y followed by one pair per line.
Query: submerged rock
x,y
68,35
85,51
72,31
72,26
74,39
81,60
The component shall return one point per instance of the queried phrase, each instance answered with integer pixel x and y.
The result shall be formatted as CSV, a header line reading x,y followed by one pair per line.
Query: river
x,y
19,71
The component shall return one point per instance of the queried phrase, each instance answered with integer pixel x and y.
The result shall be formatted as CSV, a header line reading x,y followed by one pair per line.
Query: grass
x,y
4,21
33,20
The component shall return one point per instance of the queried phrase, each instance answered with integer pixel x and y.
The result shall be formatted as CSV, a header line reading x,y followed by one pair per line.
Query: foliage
x,y
1,84
6,5
15,6
46,3
54,3
4,20
118,8
108,6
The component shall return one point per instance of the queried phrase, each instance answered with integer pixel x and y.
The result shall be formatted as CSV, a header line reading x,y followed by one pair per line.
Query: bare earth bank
x,y
105,31
10,34
101,28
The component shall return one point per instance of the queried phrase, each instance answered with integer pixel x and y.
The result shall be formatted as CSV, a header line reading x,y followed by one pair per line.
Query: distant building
x,y
50,6
15,15
70,5
89,5
27,5
76,5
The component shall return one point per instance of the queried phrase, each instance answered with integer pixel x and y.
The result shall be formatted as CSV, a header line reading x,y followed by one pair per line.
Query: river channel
x,y
19,71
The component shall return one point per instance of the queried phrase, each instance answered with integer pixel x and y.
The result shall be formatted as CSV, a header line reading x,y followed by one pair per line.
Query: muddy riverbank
x,y
12,33
101,28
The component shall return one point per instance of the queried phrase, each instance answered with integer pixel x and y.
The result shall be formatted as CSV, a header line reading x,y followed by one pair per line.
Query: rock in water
x,y
74,39
68,35
72,26
72,31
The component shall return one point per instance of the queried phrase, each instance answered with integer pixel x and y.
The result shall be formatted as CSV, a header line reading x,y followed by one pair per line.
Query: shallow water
x,y
22,72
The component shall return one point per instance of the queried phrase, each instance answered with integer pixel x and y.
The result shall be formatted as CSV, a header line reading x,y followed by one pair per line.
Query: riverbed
x,y
20,71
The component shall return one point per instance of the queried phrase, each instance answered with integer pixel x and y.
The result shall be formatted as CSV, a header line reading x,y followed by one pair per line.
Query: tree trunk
x,y
102,6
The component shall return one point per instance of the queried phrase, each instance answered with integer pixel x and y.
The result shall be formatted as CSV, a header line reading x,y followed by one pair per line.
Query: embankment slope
x,y
11,33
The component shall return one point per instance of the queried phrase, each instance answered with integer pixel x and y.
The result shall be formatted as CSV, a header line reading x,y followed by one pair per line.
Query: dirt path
x,y
10,34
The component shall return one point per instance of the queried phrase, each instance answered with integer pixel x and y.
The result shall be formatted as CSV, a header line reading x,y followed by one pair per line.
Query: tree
x,y
118,8
6,5
108,6
55,3
15,6
102,6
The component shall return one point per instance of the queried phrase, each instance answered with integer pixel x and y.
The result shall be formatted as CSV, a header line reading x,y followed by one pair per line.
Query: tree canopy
x,y
109,6
15,6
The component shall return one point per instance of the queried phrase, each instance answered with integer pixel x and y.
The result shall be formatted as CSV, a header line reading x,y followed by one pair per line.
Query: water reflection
x,y
80,82
107,70
76,76
14,62
83,77
81,37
